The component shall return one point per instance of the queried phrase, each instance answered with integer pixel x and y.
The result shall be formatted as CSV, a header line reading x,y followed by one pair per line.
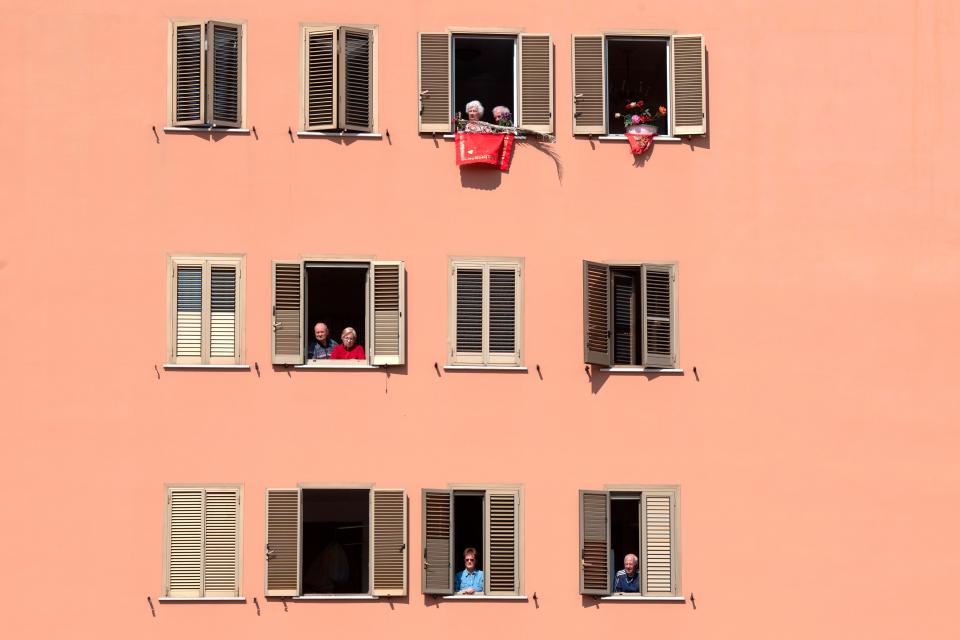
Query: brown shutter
x,y
589,115
287,313
388,340
624,318
389,554
596,314
535,111
184,577
283,542
595,575
188,323
356,75
188,77
689,85
320,78
502,576
224,73
658,304
437,576
503,312
434,82
223,313
467,341
221,543
658,519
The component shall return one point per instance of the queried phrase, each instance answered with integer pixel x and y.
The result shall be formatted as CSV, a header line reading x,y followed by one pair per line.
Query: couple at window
x,y
323,347
501,117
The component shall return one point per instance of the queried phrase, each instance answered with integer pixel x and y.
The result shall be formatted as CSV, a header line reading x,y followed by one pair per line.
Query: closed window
x,y
207,70
205,310
339,72
485,312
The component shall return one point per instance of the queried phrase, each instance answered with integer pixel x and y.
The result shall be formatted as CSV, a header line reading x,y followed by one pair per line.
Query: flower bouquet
x,y
640,125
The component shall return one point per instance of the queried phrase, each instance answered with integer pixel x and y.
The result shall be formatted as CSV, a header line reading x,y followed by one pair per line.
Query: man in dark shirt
x,y
322,345
628,578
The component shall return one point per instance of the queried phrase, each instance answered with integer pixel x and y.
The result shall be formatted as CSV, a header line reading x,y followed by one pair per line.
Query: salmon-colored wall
x,y
817,237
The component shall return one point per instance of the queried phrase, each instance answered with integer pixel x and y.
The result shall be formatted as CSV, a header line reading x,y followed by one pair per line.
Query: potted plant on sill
x,y
640,125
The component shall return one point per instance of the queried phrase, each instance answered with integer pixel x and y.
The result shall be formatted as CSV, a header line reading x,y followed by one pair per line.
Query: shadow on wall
x,y
598,377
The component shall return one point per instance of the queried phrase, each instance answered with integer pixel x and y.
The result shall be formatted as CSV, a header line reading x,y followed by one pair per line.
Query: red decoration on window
x,y
484,148
639,142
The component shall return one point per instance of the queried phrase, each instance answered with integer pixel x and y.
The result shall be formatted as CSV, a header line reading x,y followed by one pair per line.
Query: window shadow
x,y
484,178
598,377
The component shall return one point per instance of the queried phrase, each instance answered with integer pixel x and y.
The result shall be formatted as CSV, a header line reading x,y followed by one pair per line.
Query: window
x,y
205,318
507,68
207,69
336,541
486,311
365,295
202,542
623,520
659,68
338,89
630,314
484,518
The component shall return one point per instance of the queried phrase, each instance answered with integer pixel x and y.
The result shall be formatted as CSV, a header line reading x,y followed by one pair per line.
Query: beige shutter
x,y
287,313
433,61
659,304
389,554
221,543
184,548
319,78
624,319
589,79
596,314
437,526
502,575
188,323
689,85
224,74
388,342
595,578
467,302
535,109
356,74
224,343
503,314
283,542
188,78
658,519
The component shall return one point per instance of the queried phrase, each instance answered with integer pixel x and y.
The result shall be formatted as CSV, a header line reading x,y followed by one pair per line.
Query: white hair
x,y
474,103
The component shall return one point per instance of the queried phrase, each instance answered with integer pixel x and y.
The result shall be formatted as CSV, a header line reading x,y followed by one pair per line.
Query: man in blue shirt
x,y
628,578
470,580
322,345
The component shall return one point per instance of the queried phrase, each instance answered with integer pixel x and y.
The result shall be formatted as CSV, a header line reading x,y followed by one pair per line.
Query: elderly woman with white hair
x,y
348,349
474,113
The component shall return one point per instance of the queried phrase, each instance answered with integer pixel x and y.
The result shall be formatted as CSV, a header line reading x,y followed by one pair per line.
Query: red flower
x,y
639,103
644,118
631,105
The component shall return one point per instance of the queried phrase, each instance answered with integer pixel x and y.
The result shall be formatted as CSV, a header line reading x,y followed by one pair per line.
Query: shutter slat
x,y
596,313
357,69
389,542
223,311
502,557
287,313
624,320
469,327
689,85
535,110
434,82
502,311
189,311
320,69
225,73
388,304
658,540
188,74
437,577
588,81
185,553
659,315
221,543
594,543
283,542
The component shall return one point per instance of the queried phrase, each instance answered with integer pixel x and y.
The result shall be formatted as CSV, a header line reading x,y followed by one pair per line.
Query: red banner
x,y
484,148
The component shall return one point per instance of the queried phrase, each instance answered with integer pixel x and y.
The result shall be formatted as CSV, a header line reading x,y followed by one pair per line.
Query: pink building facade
x,y
772,430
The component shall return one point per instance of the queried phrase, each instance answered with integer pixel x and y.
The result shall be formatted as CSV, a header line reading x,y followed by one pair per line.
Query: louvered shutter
x,y
221,543
187,84
589,79
503,313
356,74
287,313
388,339
320,70
595,578
184,575
188,322
224,343
468,303
389,554
502,575
624,318
658,304
437,527
660,571
689,85
433,70
596,314
535,109
224,73
283,543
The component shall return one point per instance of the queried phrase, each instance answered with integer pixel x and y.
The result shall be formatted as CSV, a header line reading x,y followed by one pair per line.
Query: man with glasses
x,y
470,580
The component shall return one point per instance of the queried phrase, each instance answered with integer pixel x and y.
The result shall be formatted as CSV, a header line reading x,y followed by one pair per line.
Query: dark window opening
x,y
337,296
627,330
624,532
336,524
484,70
636,70
467,528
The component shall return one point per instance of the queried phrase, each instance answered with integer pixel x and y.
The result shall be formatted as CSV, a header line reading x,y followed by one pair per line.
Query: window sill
x,y
632,598
465,596
205,129
640,370
339,134
450,136
492,367
620,136
239,599
336,367
228,367
335,597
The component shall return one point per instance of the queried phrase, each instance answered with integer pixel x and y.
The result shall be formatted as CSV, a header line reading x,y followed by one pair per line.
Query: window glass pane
x,y
336,551
636,70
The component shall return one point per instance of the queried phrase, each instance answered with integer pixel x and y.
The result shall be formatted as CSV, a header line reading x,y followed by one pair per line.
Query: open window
x,y
630,314
332,541
207,69
485,520
659,68
641,521
364,295
486,312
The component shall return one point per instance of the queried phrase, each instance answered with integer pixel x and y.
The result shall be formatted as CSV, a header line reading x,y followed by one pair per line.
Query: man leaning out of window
x,y
470,580
628,578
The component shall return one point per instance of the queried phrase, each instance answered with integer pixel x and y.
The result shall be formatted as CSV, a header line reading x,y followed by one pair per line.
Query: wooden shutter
x,y
502,575
433,70
658,292
389,554
595,578
319,78
287,313
221,543
689,85
188,77
388,340
437,577
188,321
283,542
597,326
624,318
589,79
224,343
184,548
503,314
535,110
467,302
224,96
356,75
660,571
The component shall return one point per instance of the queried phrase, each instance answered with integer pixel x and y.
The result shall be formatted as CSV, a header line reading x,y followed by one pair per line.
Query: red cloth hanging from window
x,y
639,142
484,148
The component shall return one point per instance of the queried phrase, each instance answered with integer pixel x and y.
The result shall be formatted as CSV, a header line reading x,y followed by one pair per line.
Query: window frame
x,y
651,35
498,34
